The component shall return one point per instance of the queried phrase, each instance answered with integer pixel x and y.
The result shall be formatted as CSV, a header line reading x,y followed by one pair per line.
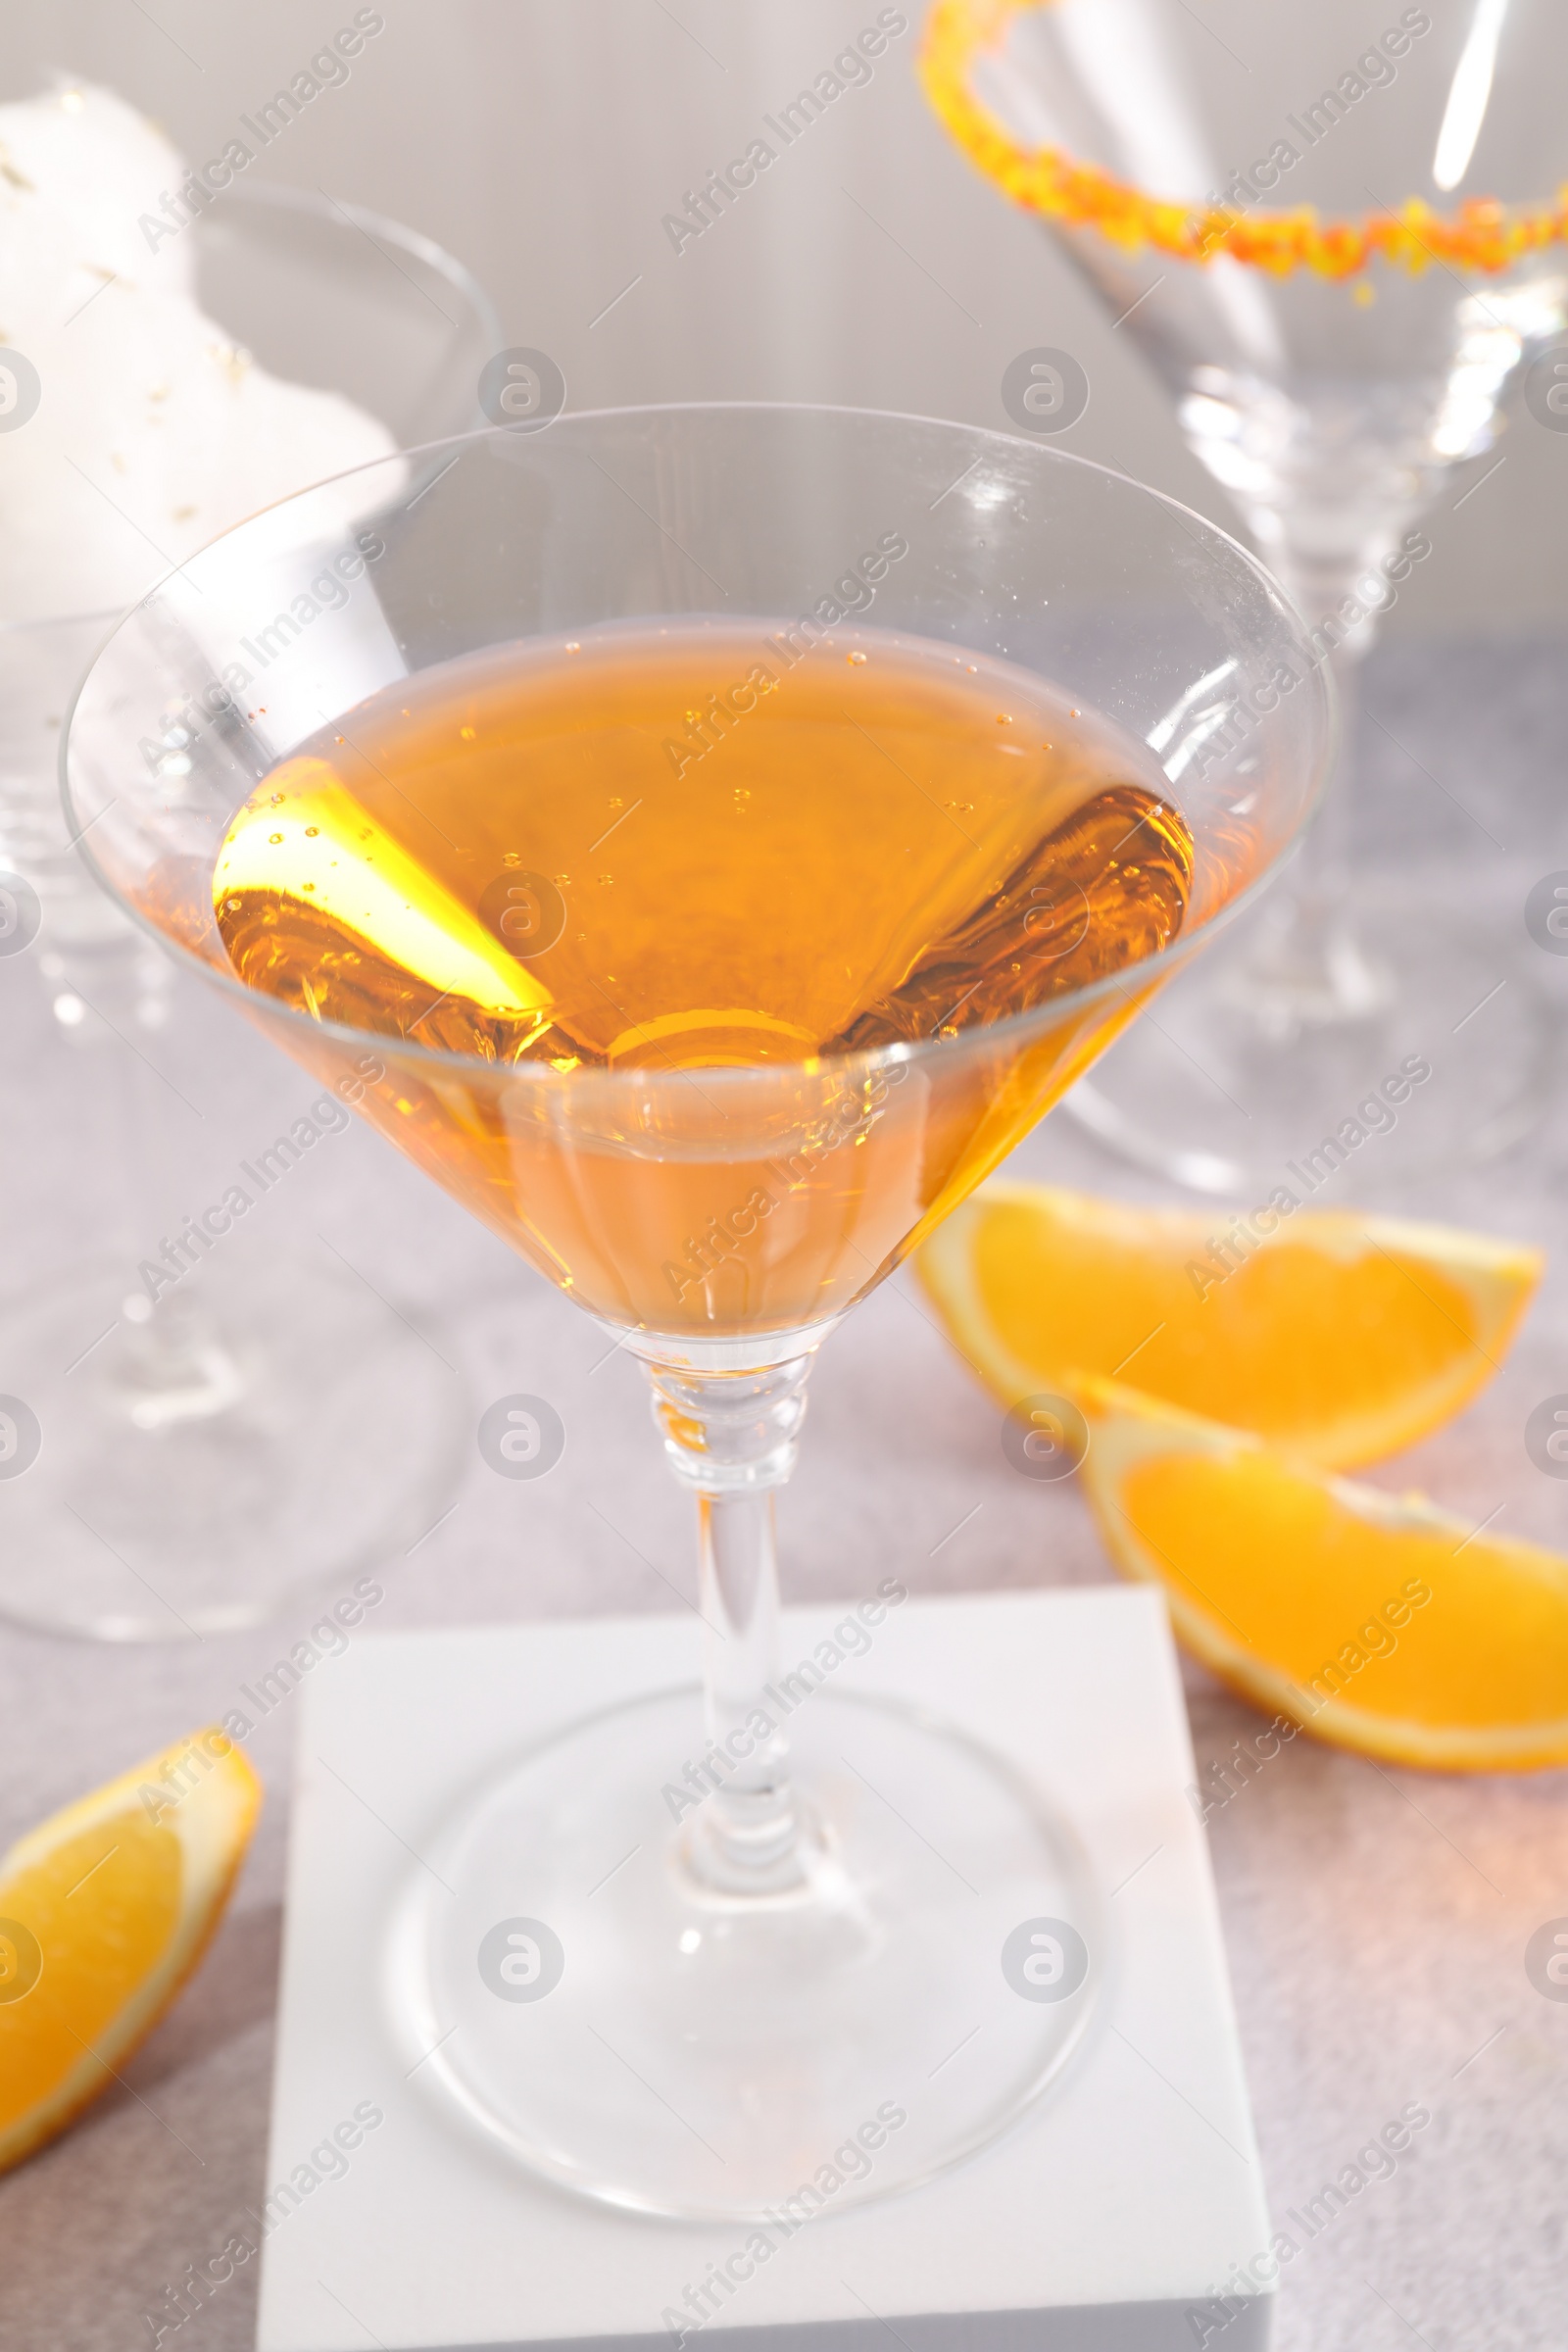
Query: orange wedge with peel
x,y
105,1910
1372,1620
1339,1336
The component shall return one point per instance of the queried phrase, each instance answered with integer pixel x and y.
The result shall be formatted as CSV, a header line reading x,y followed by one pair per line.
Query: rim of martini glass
x,y
262,196
1481,232
1018,1026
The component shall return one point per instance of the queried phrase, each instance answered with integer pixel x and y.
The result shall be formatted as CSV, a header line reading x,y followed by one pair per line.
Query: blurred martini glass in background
x,y
731,831
1337,242
222,1435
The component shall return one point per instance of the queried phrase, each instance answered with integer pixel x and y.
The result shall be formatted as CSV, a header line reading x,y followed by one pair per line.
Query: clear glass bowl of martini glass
x,y
1337,244
731,828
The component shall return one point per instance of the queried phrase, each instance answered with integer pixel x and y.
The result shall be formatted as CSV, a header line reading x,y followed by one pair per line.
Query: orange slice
x,y
105,1910
1372,1620
1339,1336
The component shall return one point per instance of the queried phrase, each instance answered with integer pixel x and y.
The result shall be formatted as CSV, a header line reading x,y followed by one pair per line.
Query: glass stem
x,y
731,1438
173,1362
1317,885
1314,968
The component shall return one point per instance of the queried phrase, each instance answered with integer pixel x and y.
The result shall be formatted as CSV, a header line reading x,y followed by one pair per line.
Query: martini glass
x,y
1337,244
214,1454
737,1984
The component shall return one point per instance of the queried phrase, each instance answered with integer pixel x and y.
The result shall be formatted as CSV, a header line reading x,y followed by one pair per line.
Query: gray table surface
x,y
1376,1920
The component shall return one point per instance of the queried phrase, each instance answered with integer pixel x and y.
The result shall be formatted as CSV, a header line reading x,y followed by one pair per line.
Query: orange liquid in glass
x,y
656,888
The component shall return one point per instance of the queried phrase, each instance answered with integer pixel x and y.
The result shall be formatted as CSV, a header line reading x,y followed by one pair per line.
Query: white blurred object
x,y
153,430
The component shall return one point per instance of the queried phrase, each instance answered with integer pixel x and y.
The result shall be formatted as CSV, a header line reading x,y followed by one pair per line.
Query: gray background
x,y
544,143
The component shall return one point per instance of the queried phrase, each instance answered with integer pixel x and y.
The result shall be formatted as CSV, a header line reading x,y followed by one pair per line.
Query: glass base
x,y
1256,1058
562,1975
270,1429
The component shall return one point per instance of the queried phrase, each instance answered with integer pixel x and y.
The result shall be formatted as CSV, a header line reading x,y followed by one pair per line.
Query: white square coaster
x,y
1106,2222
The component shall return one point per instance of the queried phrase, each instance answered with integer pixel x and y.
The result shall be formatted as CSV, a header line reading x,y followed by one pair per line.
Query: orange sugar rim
x,y
1482,233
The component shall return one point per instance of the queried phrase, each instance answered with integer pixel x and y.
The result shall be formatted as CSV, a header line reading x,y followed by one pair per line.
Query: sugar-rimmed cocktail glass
x,y
711,1990
1337,244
